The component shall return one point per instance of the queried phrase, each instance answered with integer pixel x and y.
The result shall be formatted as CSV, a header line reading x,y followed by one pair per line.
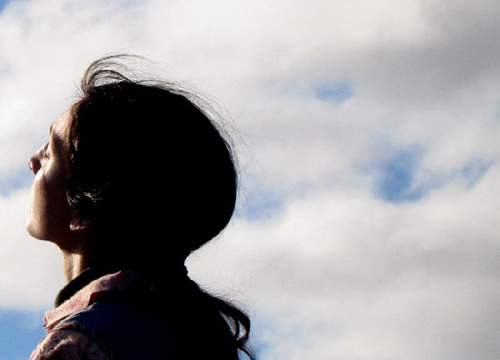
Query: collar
x,y
87,276
87,294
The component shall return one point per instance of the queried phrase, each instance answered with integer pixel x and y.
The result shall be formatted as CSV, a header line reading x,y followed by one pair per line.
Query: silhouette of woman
x,y
134,178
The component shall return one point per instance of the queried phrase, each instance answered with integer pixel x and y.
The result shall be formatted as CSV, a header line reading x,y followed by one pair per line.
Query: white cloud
x,y
333,271
349,276
30,273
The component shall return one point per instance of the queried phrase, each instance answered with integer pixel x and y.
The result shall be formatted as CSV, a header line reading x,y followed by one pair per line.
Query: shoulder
x,y
125,329
68,344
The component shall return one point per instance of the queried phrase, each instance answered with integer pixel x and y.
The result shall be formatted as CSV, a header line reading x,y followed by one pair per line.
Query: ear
x,y
78,224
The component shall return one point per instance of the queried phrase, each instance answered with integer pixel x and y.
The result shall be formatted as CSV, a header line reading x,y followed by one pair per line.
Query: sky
x,y
367,134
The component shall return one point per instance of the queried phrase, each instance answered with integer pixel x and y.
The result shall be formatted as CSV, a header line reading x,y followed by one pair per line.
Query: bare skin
x,y
51,216
73,264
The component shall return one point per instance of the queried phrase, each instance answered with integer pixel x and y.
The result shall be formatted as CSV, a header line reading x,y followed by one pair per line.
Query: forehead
x,y
60,126
59,130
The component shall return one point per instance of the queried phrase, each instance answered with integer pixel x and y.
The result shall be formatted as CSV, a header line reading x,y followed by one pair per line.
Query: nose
x,y
34,162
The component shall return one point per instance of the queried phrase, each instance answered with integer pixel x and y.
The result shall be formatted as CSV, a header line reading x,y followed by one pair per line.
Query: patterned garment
x,y
63,342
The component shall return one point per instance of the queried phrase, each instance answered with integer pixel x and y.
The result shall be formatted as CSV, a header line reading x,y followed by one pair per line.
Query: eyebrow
x,y
51,137
55,140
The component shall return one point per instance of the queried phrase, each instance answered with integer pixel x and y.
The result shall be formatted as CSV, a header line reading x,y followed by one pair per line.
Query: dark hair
x,y
144,156
147,167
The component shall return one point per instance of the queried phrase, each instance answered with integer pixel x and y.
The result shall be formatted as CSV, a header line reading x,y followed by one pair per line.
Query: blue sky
x,y
20,332
336,92
3,3
367,134
396,177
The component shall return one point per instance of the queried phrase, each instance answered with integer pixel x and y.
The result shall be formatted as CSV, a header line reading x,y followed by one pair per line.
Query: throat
x,y
73,265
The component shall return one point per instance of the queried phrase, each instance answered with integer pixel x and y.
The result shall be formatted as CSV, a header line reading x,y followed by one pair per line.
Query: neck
x,y
73,264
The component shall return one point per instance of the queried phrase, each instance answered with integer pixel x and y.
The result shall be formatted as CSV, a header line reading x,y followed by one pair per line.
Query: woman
x,y
134,178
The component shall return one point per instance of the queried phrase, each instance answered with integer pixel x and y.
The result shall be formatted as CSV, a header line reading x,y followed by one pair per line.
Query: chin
x,y
34,230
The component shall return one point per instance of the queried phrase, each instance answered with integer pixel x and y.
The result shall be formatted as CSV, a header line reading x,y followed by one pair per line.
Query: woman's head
x,y
145,166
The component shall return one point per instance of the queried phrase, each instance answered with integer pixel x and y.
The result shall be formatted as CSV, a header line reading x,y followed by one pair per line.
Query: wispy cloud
x,y
368,139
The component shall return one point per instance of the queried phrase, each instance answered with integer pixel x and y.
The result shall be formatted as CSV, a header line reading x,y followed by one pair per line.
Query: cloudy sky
x,y
368,135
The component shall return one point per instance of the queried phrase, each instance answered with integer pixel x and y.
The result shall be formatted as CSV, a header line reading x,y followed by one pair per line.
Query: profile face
x,y
51,214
